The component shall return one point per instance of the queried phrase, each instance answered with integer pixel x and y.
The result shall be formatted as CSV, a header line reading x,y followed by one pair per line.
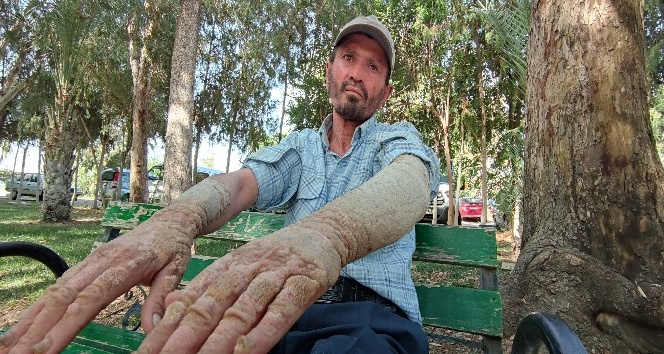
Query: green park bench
x,y
476,311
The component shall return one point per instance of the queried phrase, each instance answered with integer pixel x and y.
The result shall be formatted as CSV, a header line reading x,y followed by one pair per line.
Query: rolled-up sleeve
x,y
403,138
277,170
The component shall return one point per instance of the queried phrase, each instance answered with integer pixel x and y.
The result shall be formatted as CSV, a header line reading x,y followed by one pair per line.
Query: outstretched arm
x,y
155,253
246,301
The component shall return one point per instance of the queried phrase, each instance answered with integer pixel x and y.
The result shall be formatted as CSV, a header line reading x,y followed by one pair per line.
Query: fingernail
x,y
156,318
243,345
42,346
6,338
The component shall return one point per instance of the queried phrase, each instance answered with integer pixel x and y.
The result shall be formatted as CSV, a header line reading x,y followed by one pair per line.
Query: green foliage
x,y
509,23
250,50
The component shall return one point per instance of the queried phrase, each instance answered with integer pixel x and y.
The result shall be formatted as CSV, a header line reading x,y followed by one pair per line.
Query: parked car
x,y
470,208
31,183
442,205
111,176
499,217
110,179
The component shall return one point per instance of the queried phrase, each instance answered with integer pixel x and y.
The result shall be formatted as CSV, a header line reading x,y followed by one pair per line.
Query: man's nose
x,y
356,73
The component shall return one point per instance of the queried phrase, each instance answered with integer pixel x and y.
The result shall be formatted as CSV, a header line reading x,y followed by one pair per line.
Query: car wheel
x,y
125,198
14,194
459,221
41,196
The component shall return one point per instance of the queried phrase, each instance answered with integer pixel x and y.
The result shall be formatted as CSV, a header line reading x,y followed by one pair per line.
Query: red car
x,y
470,208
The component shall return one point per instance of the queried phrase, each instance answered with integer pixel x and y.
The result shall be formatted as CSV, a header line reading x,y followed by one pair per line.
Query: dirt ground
x,y
446,342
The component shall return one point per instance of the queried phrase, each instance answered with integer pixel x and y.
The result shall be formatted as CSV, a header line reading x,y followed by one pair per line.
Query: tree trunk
x,y
451,210
231,141
177,160
20,183
100,167
593,237
73,197
480,97
59,158
285,96
140,67
39,166
197,147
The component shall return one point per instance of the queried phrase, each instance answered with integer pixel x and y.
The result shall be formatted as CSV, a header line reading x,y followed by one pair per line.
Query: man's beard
x,y
350,107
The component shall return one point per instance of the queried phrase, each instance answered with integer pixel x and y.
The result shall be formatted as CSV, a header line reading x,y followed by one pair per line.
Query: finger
x,y
56,300
202,318
244,313
26,319
153,310
179,301
298,294
67,321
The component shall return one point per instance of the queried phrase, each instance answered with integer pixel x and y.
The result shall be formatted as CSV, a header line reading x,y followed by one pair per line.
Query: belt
x,y
350,290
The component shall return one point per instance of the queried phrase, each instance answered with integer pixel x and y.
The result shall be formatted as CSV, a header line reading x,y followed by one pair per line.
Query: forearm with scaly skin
x,y
377,213
195,209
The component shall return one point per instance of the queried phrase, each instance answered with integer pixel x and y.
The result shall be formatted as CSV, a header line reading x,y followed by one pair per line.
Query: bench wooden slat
x,y
73,348
127,215
466,246
471,310
100,338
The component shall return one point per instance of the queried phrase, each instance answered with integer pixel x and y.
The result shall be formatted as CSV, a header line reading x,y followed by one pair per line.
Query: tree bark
x,y
60,144
593,213
140,67
20,183
480,97
177,160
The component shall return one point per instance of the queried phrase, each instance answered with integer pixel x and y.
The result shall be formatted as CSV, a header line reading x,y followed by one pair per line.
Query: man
x,y
335,280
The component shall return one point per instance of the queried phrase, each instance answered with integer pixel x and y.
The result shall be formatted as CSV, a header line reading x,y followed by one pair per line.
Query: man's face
x,y
355,79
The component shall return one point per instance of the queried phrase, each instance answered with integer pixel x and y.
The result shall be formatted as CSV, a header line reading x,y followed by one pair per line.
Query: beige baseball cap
x,y
370,26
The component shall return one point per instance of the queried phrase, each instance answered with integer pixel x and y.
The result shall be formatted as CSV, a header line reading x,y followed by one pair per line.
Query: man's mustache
x,y
360,86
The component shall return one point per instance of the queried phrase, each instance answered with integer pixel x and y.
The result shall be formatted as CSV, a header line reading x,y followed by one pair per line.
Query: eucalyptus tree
x,y
593,235
177,160
239,74
150,27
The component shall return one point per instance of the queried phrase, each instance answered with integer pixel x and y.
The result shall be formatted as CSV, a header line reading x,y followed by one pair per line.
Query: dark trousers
x,y
352,327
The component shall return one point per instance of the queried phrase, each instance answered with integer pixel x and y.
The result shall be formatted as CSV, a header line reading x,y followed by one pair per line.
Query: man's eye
x,y
373,67
348,57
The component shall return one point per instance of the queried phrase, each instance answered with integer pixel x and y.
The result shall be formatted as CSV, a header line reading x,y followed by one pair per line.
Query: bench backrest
x,y
465,246
469,310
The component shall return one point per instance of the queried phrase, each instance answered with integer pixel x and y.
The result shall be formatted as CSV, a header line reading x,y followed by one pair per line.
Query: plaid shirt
x,y
301,174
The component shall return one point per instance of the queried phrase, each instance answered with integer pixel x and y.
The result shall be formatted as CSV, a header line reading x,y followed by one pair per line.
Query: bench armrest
x,y
543,328
37,252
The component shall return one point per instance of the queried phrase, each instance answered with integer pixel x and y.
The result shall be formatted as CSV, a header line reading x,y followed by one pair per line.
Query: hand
x,y
154,254
246,301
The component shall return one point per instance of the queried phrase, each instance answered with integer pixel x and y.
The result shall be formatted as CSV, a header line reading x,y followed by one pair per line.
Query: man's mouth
x,y
359,91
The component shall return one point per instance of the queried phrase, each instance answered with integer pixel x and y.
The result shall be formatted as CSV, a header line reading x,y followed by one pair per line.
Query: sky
x,y
218,153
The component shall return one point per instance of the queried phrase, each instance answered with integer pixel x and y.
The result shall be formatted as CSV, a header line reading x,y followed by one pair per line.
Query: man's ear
x,y
388,91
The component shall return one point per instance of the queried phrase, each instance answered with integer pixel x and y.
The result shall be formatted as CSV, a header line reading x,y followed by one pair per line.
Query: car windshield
x,y
471,200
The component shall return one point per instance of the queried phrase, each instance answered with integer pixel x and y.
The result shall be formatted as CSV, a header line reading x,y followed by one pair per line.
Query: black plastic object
x,y
537,329
37,252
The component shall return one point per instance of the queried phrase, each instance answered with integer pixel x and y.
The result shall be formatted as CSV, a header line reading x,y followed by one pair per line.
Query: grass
x,y
22,280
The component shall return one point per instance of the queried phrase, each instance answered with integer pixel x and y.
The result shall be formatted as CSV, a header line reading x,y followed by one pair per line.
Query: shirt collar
x,y
361,131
